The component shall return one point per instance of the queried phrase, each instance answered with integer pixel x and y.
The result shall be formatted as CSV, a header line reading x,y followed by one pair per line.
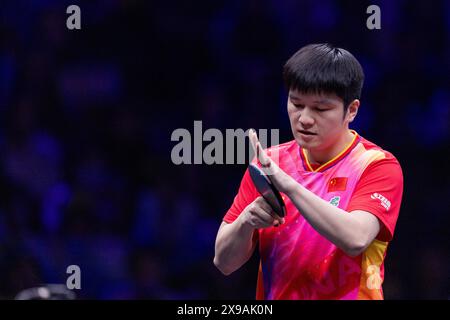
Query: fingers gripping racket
x,y
266,188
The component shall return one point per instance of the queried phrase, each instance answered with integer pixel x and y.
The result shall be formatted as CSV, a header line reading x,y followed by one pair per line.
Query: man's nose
x,y
306,119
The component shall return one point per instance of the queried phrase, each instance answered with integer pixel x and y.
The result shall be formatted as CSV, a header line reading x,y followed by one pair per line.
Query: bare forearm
x,y
234,246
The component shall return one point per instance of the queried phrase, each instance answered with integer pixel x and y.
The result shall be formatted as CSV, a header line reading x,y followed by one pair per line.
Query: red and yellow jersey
x,y
299,263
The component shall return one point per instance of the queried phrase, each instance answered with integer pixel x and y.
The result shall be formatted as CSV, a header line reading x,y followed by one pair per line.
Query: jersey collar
x,y
308,167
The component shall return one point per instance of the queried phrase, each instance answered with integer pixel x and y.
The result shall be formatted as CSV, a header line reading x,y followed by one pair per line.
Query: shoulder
x,y
379,160
377,155
290,147
284,154
285,147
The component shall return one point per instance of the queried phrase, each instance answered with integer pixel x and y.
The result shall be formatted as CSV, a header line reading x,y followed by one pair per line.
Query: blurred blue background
x,y
87,115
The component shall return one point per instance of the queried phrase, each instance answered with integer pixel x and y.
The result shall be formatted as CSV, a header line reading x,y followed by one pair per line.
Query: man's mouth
x,y
306,132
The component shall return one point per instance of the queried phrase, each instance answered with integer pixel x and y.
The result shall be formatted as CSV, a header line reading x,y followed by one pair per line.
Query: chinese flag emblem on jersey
x,y
337,184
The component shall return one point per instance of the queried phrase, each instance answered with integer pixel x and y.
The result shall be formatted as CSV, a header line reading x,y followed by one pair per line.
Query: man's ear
x,y
352,110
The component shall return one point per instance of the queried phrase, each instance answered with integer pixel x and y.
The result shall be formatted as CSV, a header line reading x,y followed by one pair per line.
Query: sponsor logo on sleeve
x,y
384,202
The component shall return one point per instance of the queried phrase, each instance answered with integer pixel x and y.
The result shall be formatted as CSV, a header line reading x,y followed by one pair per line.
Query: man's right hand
x,y
259,214
235,241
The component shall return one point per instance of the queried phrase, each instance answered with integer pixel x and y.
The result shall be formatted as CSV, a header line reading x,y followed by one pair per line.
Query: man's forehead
x,y
314,97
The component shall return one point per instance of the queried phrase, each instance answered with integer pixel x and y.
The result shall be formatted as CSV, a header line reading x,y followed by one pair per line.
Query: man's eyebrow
x,y
325,101
294,97
320,101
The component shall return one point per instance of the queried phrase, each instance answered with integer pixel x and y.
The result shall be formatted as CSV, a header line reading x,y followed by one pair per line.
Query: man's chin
x,y
304,144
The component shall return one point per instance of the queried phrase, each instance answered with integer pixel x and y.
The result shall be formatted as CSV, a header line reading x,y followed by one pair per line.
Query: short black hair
x,y
323,68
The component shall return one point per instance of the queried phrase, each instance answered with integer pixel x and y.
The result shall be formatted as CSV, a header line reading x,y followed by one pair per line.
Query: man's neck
x,y
319,157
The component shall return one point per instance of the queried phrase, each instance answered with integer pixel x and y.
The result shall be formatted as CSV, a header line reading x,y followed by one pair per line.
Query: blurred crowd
x,y
87,115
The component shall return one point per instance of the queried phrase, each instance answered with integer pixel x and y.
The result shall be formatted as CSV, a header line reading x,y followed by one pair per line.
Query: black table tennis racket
x,y
266,188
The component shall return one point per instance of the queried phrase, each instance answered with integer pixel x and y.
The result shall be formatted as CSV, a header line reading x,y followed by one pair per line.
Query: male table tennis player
x,y
342,192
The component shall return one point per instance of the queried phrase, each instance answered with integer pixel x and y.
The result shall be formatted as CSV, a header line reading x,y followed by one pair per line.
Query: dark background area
x,y
86,117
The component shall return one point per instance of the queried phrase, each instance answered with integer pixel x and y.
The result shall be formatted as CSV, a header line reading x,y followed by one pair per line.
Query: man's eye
x,y
321,110
301,106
